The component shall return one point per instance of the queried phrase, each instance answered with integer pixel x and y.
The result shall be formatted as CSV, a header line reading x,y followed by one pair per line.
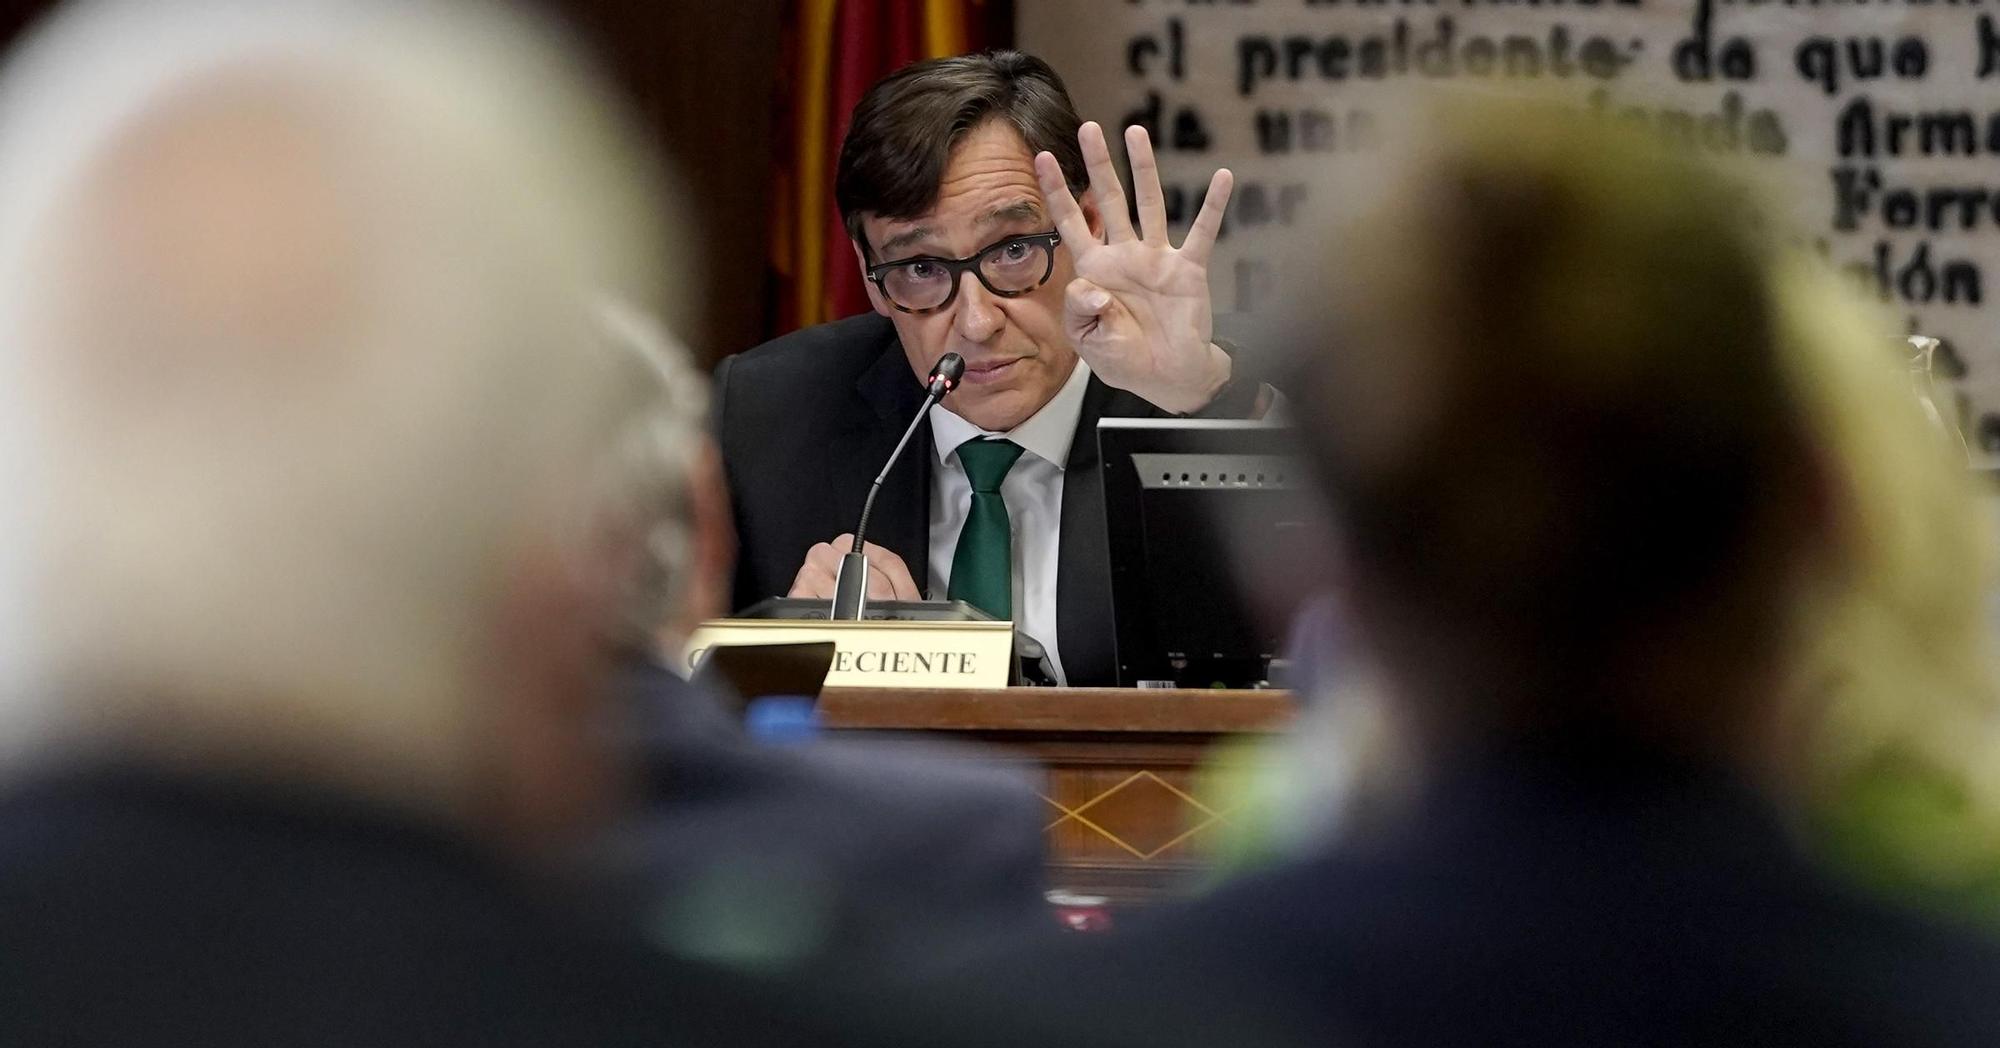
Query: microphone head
x,y
944,377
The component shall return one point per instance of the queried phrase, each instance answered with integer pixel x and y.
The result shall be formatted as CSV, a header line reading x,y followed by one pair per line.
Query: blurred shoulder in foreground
x,y
816,857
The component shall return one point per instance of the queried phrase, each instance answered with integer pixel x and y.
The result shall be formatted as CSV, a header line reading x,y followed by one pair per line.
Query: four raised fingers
x,y
1110,196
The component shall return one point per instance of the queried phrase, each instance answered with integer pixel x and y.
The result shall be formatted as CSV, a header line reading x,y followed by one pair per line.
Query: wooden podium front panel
x,y
1129,817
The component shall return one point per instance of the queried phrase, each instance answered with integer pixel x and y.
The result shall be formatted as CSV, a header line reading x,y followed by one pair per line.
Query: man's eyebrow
x,y
906,238
1018,211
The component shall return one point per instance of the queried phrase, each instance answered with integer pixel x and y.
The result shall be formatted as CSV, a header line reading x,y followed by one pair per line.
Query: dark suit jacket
x,y
1530,900
892,855
806,420
141,907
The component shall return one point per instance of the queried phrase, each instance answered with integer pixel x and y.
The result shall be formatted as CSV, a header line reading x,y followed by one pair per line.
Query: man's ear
x,y
874,294
1090,216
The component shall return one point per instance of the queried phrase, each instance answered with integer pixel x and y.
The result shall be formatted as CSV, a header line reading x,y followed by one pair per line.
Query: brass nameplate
x,y
880,653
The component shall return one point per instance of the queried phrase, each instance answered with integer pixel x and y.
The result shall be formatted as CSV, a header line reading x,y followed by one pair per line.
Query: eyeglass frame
x,y
958,267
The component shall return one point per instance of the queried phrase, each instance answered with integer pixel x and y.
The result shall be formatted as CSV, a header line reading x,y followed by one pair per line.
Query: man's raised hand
x,y
1139,311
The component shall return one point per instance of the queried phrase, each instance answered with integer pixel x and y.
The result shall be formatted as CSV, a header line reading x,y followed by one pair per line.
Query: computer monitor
x,y
1208,529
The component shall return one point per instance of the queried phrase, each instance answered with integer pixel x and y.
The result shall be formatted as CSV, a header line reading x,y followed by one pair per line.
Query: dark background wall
x,y
703,77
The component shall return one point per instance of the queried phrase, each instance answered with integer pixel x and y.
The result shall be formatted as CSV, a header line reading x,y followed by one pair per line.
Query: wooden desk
x,y
1127,818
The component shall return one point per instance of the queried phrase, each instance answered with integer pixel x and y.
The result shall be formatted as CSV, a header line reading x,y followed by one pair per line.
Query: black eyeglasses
x,y
1010,268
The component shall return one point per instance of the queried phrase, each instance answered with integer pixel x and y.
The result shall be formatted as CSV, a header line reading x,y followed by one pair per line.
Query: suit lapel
x,y
901,519
1083,575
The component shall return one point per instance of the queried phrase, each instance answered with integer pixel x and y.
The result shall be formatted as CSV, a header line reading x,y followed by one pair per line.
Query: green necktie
x,y
982,573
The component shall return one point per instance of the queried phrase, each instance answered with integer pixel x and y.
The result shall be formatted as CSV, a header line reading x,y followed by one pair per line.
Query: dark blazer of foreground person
x,y
1535,899
806,421
147,908
871,854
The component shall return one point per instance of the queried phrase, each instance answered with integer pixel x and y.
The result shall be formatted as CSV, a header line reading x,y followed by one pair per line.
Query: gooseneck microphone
x,y
850,587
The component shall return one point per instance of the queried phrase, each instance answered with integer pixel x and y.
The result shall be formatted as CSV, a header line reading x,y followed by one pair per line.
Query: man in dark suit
x,y
956,184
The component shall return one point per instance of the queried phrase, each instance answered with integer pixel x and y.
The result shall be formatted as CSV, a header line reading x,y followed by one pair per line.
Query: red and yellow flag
x,y
834,51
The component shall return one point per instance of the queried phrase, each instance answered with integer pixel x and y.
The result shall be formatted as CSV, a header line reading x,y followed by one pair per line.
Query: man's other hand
x,y
1139,311
888,578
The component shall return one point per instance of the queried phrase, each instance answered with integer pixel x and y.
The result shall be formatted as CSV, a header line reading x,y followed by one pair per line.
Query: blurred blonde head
x,y
306,304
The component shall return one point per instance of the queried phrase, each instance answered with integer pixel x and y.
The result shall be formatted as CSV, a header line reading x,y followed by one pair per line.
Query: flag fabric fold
x,y
834,51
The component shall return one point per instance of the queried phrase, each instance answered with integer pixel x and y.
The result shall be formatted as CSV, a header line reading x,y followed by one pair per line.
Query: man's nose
x,y
979,316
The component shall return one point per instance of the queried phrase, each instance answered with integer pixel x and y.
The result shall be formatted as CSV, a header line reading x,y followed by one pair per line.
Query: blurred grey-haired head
x,y
304,305
643,510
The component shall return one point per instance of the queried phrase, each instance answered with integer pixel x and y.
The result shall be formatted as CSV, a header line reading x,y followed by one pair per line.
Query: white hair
x,y
643,490
302,299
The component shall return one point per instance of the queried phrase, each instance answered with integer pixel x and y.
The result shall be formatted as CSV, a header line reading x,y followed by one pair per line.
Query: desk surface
x,y
1045,710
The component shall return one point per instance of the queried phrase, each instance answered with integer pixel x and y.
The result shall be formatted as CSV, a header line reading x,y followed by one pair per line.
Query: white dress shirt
x,y
1033,490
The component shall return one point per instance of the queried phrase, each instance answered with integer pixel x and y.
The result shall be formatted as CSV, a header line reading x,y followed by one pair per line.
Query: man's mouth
x,y
990,371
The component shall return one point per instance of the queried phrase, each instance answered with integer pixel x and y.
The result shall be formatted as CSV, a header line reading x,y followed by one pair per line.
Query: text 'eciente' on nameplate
x,y
876,654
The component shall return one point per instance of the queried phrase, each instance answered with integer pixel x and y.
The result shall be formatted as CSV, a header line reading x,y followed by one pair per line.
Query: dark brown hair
x,y
1567,460
905,127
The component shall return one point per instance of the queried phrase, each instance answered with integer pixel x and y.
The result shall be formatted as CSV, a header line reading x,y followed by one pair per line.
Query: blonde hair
x,y
1899,668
